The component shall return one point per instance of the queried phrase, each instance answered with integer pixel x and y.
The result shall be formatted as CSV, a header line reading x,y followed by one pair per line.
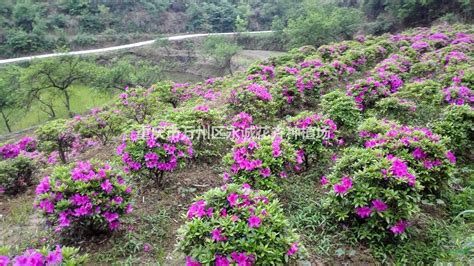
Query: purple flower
x,y
191,262
43,186
222,261
146,248
324,181
450,156
217,235
54,257
110,217
241,258
399,227
343,186
107,186
4,260
265,172
197,209
254,221
418,153
379,205
232,199
47,206
293,249
363,212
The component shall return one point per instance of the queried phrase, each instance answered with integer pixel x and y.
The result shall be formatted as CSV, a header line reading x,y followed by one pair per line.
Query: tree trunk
x,y
61,152
68,103
7,122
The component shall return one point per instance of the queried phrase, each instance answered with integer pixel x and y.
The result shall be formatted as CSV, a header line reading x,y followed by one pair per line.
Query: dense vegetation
x,y
358,151
33,26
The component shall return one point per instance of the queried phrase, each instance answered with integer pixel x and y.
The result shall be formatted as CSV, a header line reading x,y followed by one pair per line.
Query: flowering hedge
x,y
374,195
44,256
310,134
261,163
86,196
155,151
425,152
235,224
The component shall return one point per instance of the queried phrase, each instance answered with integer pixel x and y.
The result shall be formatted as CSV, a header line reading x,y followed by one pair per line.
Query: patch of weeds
x,y
143,241
319,234
431,241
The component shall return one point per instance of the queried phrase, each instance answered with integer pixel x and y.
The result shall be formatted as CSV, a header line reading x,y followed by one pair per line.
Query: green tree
x,y
9,97
57,76
221,50
323,25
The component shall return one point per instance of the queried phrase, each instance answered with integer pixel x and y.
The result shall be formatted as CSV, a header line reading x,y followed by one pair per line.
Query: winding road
x,y
126,46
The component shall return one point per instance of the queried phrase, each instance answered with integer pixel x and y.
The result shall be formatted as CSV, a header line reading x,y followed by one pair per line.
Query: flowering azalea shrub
x,y
16,174
311,134
138,104
367,92
256,100
372,194
85,197
44,256
237,225
25,146
425,152
197,123
100,124
457,124
260,163
154,151
342,110
58,136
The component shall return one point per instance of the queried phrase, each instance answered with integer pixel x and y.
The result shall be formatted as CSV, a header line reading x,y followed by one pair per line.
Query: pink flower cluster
x,y
26,146
343,186
367,92
33,257
163,148
365,211
263,72
458,95
260,92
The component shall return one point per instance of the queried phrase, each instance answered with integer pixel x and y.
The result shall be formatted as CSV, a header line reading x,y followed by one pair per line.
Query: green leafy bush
x,y
84,198
457,123
16,175
56,135
342,109
139,104
374,195
100,124
311,134
236,224
198,124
